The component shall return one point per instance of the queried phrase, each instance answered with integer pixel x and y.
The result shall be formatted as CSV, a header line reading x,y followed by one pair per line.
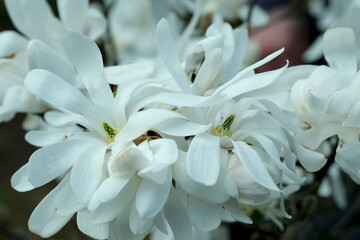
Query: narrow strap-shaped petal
x,y
249,69
254,165
311,160
87,60
203,159
140,122
11,42
234,208
168,54
138,224
62,95
41,56
20,181
128,72
205,193
205,78
94,230
29,13
340,49
41,138
97,22
108,190
19,99
151,196
205,216
254,82
178,218
44,220
87,171
73,13
51,161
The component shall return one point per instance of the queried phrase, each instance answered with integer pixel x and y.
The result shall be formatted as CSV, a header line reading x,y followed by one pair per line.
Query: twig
x,y
251,8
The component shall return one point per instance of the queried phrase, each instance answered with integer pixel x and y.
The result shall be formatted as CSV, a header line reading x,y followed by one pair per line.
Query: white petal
x,y
65,201
19,181
214,194
129,72
73,13
87,60
139,225
40,55
254,82
248,70
312,138
315,51
51,161
87,171
180,99
107,191
177,217
270,149
108,211
340,49
164,153
325,81
181,127
203,159
312,161
41,138
234,208
151,197
44,220
85,224
57,118
121,229
160,222
353,118
128,162
97,22
136,126
18,99
207,73
259,17
123,96
168,54
205,216
27,14
254,165
350,153
62,95
11,43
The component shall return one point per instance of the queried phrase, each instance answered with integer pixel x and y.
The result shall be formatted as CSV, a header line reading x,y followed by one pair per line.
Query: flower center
x,y
110,131
224,129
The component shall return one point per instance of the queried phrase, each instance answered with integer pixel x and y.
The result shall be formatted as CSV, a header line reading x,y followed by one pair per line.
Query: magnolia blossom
x,y
40,48
332,14
101,160
327,102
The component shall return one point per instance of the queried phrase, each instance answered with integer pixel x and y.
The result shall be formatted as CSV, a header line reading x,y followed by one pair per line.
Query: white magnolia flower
x,y
242,160
132,27
29,55
113,129
40,48
328,102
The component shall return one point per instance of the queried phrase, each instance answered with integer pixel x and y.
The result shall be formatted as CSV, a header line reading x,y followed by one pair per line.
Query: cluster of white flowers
x,y
181,135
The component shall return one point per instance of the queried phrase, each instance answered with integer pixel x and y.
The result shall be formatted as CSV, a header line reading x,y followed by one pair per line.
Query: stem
x,y
251,7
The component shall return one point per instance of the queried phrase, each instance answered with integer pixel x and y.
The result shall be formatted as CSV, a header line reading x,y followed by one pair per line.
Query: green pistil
x,y
224,129
228,122
110,132
114,93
